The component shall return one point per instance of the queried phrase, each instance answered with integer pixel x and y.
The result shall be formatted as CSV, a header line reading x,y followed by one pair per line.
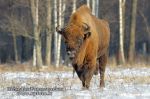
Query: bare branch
x,y
145,21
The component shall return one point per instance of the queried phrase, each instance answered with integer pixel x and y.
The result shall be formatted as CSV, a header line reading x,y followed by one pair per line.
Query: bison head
x,y
74,36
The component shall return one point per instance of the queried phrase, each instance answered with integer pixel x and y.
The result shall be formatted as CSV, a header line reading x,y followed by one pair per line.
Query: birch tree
x,y
55,34
49,35
121,31
37,42
132,32
96,7
88,3
59,36
93,7
34,56
74,6
63,12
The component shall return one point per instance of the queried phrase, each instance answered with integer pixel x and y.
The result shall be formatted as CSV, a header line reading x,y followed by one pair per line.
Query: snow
x,y
119,84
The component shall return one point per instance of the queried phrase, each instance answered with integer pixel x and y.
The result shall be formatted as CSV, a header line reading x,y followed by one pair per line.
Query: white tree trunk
x,y
63,12
96,7
74,6
55,34
121,42
88,3
33,15
37,41
59,36
34,56
93,7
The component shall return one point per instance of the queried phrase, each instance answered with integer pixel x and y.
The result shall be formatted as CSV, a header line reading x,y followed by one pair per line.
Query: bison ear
x,y
87,32
59,30
87,35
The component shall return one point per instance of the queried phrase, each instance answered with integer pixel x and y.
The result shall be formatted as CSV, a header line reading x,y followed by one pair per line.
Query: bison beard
x,y
87,40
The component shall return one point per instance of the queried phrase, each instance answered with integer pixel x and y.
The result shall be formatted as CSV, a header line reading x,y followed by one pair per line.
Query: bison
x,y
87,40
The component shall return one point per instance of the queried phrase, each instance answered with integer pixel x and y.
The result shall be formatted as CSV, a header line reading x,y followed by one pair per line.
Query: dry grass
x,y
11,67
129,79
138,63
30,68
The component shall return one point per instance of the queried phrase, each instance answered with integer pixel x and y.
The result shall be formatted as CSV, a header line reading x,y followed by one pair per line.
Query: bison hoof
x,y
102,84
85,88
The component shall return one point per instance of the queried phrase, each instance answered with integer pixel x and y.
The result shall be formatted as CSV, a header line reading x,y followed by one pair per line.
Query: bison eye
x,y
65,42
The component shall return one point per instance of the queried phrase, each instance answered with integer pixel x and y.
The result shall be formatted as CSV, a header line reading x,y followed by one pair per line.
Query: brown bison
x,y
87,41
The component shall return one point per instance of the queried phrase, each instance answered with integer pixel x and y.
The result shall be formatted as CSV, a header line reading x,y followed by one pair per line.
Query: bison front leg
x,y
88,77
85,73
80,72
102,66
88,74
97,67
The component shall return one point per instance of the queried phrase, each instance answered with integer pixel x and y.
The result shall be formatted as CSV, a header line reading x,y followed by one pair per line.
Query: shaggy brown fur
x,y
91,48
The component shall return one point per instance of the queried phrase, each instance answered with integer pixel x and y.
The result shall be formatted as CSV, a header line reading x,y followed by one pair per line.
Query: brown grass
x,y
138,62
129,79
30,68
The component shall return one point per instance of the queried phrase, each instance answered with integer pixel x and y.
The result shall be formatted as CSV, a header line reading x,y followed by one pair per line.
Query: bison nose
x,y
71,55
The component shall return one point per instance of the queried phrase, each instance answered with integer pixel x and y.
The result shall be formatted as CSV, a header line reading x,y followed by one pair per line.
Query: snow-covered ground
x,y
119,84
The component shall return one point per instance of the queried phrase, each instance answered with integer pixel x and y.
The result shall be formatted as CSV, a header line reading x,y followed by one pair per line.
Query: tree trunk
x,y
93,7
34,55
13,33
97,7
74,6
59,36
36,30
132,32
88,3
63,12
55,34
49,35
122,27
100,10
38,47
15,48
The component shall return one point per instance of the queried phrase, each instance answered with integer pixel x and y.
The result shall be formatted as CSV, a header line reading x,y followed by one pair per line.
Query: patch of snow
x,y
114,88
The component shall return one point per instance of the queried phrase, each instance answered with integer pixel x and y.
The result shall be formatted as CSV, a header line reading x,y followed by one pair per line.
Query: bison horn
x,y
86,27
87,32
59,30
